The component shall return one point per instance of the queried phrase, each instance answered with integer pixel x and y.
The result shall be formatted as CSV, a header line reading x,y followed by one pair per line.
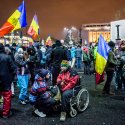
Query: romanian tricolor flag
x,y
49,41
101,59
34,28
16,21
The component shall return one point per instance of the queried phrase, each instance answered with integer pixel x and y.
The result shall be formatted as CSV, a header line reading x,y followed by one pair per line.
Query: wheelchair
x,y
79,102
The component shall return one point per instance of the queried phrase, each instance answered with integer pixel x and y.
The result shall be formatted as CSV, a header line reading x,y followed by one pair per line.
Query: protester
x,y
110,68
86,60
58,54
121,69
33,62
78,55
8,52
39,96
7,69
22,75
67,80
73,55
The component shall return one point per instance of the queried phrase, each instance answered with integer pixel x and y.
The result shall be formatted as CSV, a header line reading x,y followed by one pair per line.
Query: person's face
x,y
47,76
63,68
123,47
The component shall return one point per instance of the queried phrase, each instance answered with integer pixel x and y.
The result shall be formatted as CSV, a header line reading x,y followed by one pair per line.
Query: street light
x,y
69,33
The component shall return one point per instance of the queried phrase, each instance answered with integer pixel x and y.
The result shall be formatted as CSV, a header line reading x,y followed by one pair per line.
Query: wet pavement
x,y
102,110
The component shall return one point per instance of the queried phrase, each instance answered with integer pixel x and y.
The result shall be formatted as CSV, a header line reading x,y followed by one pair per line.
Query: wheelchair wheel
x,y
73,113
82,100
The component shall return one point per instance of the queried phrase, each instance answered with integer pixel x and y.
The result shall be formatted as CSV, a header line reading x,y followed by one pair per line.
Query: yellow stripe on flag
x,y
18,26
100,64
35,26
14,18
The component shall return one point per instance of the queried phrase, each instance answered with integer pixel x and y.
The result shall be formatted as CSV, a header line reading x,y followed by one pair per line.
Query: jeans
x,y
23,85
65,99
86,67
78,62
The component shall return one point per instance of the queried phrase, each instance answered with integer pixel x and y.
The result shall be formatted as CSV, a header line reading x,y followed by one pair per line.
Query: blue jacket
x,y
78,53
73,51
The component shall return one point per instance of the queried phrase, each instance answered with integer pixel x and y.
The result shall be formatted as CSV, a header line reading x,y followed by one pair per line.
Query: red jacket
x,y
70,79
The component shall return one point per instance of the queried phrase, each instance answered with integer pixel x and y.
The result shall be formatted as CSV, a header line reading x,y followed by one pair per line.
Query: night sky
x,y
54,15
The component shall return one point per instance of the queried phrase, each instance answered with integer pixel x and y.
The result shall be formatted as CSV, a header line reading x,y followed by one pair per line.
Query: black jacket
x,y
58,54
7,69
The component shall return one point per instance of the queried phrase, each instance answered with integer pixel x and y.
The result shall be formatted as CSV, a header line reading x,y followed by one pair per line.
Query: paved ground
x,y
101,111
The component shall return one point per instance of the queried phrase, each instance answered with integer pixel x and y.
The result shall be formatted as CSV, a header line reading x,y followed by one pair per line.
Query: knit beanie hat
x,y
65,63
58,43
20,51
43,72
111,44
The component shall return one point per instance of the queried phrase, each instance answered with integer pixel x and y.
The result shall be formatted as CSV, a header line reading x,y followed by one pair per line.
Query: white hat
x,y
20,51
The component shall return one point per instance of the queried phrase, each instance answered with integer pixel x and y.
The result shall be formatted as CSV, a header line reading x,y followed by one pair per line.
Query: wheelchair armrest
x,y
76,88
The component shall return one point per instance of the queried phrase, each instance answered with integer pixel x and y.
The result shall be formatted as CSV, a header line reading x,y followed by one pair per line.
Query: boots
x,y
63,116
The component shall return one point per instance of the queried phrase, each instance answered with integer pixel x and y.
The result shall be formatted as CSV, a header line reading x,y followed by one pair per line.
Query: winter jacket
x,y
86,56
78,53
58,54
7,69
73,52
111,62
22,67
122,60
39,90
70,79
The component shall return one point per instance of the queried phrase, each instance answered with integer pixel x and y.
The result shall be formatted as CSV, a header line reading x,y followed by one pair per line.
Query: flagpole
x,y
95,77
26,35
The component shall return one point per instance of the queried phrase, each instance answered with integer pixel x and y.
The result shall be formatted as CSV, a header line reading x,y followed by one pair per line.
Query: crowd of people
x,y
43,68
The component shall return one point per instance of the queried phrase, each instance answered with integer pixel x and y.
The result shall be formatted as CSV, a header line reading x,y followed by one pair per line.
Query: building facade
x,y
91,32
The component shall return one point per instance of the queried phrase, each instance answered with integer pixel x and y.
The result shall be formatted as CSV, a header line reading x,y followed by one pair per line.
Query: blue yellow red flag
x,y
34,28
101,59
16,21
49,41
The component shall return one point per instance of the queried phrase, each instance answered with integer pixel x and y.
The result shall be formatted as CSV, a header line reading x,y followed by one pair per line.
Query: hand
x,y
28,60
50,87
62,83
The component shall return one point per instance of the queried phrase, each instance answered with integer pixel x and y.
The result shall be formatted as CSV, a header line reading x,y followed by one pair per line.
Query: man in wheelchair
x,y
67,80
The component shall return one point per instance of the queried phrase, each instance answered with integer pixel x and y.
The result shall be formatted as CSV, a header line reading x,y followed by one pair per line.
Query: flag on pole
x,y
34,28
48,41
101,59
16,21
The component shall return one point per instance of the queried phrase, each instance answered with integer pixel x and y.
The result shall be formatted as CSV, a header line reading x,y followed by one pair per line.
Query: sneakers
x,y
40,114
63,116
26,101
23,102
